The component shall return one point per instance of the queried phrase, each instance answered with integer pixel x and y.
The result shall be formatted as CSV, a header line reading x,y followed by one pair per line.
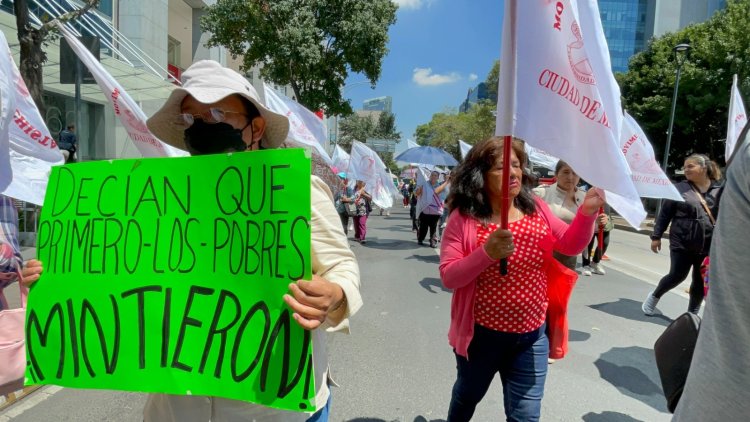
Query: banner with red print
x,y
737,119
557,92
31,150
131,116
365,165
648,176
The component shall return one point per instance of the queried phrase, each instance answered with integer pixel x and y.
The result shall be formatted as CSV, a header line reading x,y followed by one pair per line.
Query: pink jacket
x,y
461,262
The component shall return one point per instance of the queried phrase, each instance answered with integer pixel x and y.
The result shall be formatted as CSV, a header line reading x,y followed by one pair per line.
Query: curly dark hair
x,y
468,193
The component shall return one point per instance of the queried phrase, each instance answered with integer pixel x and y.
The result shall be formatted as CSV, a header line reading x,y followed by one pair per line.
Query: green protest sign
x,y
167,275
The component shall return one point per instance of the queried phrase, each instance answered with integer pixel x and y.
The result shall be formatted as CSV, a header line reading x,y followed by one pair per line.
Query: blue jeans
x,y
322,414
521,360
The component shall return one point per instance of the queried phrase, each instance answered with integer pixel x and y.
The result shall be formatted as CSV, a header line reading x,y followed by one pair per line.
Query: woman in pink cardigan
x,y
498,322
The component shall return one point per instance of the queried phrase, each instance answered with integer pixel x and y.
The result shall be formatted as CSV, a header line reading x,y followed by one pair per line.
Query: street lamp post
x,y
680,52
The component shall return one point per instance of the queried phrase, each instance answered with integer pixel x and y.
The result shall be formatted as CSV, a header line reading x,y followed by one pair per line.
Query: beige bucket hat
x,y
208,82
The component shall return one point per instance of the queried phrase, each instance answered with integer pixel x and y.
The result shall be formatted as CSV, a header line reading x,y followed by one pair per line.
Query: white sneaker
x,y
586,271
598,268
649,305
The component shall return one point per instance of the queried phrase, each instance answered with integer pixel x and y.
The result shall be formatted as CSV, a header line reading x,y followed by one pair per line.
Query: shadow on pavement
x,y
608,417
430,258
630,309
376,243
429,282
633,372
575,335
417,419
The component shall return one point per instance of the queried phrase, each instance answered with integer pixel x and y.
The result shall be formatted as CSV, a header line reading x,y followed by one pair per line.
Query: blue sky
x,y
438,50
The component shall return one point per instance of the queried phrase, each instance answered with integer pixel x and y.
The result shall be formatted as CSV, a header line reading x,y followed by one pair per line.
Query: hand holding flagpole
x,y
507,140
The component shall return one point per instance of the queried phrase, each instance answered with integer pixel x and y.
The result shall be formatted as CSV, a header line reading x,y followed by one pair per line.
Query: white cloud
x,y
412,4
425,77
473,76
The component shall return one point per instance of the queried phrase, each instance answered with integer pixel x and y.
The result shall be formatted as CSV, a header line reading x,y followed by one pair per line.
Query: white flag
x,y
464,147
557,92
340,160
304,126
7,107
648,176
366,165
33,151
737,119
131,116
540,157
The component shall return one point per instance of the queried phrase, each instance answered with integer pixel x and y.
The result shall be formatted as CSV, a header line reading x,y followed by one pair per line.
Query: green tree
x,y
446,128
360,128
311,45
32,41
355,128
493,78
720,47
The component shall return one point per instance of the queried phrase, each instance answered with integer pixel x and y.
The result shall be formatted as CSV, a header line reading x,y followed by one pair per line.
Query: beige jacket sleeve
x,y
332,258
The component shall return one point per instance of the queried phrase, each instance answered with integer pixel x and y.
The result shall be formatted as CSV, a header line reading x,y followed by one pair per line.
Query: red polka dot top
x,y
516,303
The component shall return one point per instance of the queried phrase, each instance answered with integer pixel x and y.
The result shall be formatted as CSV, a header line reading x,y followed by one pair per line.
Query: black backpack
x,y
674,352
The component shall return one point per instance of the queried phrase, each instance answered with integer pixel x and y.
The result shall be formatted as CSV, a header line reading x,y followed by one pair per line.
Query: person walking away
x,y
405,193
342,199
716,387
362,200
444,195
591,258
692,223
429,195
498,321
564,198
68,143
413,201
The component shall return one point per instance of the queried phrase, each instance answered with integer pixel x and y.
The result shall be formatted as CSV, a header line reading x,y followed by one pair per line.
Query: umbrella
x,y
427,155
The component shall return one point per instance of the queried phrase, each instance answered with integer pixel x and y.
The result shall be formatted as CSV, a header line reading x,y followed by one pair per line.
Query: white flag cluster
x,y
131,116
557,92
366,165
340,160
737,119
304,126
27,149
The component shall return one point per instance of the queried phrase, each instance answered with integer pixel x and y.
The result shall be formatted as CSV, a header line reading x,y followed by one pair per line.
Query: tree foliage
x,y
362,127
32,41
311,45
493,78
446,128
720,49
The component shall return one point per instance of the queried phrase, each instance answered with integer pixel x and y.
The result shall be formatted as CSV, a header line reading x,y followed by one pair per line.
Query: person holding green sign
x,y
218,111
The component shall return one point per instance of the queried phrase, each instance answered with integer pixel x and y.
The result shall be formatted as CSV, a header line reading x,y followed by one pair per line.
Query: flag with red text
x,y
737,119
366,165
557,92
32,149
305,126
131,116
648,176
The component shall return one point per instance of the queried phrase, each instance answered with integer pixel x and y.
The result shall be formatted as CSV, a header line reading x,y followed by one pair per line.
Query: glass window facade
x,y
624,23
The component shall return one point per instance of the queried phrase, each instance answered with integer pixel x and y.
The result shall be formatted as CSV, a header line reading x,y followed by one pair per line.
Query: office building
x,y
630,24
145,45
379,104
474,95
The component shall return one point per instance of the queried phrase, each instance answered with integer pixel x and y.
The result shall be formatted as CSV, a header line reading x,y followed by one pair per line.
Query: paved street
x,y
397,365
